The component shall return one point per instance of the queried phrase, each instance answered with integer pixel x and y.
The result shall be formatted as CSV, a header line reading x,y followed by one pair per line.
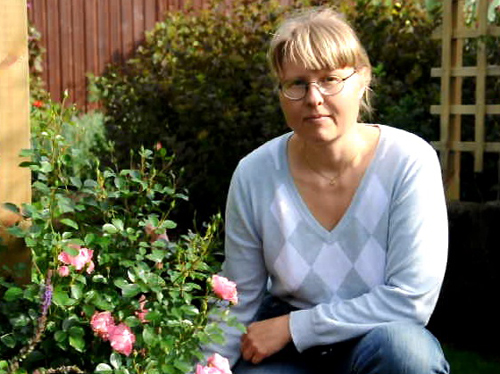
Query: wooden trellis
x,y
452,72
15,182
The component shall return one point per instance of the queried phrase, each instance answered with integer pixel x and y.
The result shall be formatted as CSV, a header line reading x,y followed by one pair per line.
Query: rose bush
x,y
111,292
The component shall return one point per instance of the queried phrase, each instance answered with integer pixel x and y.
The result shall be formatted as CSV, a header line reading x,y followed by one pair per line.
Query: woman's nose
x,y
313,94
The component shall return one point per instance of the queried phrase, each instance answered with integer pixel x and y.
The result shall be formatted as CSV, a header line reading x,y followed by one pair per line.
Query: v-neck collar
x,y
298,201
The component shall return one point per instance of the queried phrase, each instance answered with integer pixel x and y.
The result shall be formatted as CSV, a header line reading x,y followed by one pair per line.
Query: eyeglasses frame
x,y
307,84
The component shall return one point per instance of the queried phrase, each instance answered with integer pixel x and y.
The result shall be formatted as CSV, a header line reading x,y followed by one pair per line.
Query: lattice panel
x,y
452,72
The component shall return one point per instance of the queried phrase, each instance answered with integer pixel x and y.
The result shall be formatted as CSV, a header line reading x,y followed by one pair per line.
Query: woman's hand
x,y
265,338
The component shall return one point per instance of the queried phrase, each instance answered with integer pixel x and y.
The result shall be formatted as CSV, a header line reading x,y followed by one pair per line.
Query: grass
x,y
467,362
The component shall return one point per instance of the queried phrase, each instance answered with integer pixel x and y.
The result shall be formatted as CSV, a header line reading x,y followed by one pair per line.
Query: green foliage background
x,y
200,84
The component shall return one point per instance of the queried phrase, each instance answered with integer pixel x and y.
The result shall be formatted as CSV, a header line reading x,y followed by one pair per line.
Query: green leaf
x,y
118,223
69,322
77,291
89,239
60,336
13,293
154,316
157,255
70,223
131,290
132,321
88,310
109,174
131,275
26,153
75,181
115,360
65,204
98,278
183,366
90,184
102,303
120,283
76,338
46,167
42,187
11,207
20,321
170,224
153,280
148,335
119,183
8,340
16,231
60,297
109,228
103,368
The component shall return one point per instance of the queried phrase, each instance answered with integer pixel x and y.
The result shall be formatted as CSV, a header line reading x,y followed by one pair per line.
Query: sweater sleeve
x,y
243,264
414,270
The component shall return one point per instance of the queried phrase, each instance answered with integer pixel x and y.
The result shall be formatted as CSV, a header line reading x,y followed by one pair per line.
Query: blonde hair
x,y
318,38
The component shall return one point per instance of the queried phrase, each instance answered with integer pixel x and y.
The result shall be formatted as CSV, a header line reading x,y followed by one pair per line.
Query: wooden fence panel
x,y
78,45
84,36
91,49
15,182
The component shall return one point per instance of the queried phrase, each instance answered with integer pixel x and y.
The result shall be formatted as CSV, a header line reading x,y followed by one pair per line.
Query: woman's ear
x,y
362,92
364,81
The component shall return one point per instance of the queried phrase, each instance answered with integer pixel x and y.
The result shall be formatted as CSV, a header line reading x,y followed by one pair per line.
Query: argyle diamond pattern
x,y
346,266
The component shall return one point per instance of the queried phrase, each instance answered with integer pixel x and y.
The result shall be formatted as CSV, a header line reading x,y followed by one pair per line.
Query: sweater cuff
x,y
301,327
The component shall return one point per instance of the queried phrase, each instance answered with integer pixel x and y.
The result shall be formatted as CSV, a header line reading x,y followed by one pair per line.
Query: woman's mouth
x,y
317,117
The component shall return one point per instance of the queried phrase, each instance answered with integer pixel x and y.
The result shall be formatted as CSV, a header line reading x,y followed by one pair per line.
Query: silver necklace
x,y
332,181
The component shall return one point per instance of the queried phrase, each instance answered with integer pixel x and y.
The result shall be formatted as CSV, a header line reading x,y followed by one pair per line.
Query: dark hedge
x,y
200,85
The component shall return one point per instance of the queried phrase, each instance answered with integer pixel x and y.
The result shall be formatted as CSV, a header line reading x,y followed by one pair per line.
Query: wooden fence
x,y
453,34
83,36
15,182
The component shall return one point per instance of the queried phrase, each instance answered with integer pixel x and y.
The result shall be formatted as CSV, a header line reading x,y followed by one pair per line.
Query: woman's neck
x,y
333,156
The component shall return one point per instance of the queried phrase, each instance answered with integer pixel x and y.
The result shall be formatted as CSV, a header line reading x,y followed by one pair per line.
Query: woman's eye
x,y
297,83
332,79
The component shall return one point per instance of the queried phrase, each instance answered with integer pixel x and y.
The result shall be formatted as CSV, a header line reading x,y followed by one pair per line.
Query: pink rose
x,y
225,289
82,258
79,261
206,370
65,258
63,271
102,323
122,339
220,363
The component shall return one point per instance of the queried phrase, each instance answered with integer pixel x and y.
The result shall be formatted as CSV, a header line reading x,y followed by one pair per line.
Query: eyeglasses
x,y
296,89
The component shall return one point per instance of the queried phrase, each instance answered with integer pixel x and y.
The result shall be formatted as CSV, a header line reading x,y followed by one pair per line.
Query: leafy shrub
x,y
80,135
200,85
99,244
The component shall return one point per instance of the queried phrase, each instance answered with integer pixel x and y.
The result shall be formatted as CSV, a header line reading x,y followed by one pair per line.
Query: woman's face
x,y
317,117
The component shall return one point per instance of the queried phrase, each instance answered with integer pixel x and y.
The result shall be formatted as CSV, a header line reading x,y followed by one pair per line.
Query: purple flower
x,y
47,294
47,299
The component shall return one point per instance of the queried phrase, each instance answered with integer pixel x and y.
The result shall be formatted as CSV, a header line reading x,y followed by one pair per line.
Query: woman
x,y
336,232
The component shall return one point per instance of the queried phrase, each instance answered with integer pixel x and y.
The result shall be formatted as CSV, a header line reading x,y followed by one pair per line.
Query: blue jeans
x,y
394,348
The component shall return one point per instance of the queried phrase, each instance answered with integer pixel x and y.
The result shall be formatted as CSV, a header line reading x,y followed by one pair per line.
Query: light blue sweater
x,y
384,261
